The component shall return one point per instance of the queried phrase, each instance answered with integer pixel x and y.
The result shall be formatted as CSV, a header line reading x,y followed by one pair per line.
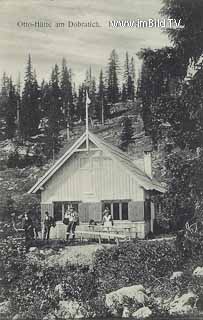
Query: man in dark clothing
x,y
75,222
48,223
29,230
28,227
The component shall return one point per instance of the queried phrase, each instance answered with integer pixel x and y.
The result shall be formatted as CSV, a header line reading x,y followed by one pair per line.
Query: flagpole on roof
x,y
87,125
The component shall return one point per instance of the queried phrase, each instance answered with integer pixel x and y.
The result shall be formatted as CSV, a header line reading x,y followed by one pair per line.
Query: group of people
x,y
31,229
71,220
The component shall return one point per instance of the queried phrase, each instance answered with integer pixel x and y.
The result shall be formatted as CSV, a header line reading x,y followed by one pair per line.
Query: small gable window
x,y
84,163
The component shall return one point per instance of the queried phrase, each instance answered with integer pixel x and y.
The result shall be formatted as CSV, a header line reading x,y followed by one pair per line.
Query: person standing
x,y
68,222
75,222
48,223
37,226
107,220
71,223
29,230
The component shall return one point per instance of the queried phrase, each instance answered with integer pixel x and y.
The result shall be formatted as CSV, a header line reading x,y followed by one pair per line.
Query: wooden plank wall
x,y
91,178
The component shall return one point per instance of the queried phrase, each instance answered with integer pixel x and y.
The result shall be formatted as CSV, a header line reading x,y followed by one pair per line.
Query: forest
x,y
57,104
167,93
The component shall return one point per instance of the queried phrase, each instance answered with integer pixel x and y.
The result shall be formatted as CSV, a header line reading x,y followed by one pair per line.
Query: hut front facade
x,y
93,175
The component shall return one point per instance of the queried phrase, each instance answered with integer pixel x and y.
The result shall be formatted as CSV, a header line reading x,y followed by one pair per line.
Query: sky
x,y
81,47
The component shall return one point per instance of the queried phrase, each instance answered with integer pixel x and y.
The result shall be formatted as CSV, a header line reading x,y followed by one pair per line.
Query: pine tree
x,y
126,134
67,94
81,102
129,73
124,93
93,99
11,112
102,113
30,112
4,95
133,77
54,115
112,78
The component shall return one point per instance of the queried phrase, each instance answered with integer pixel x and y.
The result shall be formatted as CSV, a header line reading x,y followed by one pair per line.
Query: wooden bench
x,y
100,234
127,230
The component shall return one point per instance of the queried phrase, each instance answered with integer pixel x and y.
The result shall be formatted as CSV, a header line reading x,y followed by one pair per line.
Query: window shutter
x,y
95,211
83,211
91,210
136,211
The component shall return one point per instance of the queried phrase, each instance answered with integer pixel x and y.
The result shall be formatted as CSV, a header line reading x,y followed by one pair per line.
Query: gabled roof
x,y
113,152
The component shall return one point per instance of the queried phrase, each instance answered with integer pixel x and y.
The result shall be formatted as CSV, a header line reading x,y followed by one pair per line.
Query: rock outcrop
x,y
198,272
183,304
4,308
71,309
116,299
142,313
176,275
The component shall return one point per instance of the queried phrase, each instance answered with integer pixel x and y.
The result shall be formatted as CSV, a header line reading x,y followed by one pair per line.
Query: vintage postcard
x,y
101,152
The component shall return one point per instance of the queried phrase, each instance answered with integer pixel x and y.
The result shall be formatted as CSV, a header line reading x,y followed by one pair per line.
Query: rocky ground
x,y
75,255
136,301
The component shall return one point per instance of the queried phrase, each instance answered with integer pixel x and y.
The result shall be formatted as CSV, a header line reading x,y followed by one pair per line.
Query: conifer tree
x,y
54,115
126,134
81,102
4,95
102,113
11,111
67,94
30,113
129,73
93,99
112,78
133,76
124,93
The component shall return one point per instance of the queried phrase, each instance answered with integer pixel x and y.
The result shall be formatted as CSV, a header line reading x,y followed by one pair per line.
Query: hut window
x,y
61,207
67,205
124,210
118,209
58,211
84,163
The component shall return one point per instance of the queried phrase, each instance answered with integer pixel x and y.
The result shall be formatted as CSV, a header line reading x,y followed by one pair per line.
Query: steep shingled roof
x,y
113,152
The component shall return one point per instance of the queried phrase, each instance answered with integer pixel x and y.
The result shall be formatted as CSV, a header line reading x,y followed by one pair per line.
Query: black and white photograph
x,y
101,159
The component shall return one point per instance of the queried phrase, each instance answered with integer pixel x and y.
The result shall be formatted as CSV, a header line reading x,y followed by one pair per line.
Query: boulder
x,y
198,272
4,308
181,309
49,316
126,313
71,309
199,303
18,316
117,298
59,290
49,252
142,313
176,275
33,249
183,304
